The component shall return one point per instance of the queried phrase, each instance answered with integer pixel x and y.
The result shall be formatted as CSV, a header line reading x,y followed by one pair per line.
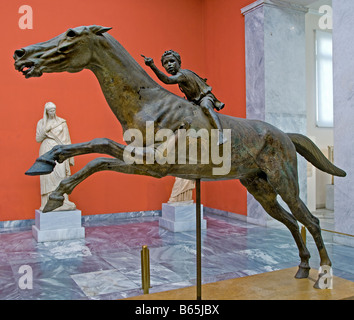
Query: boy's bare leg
x,y
214,120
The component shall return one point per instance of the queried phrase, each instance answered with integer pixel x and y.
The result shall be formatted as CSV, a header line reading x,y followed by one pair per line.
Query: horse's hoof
x,y
302,273
41,167
53,203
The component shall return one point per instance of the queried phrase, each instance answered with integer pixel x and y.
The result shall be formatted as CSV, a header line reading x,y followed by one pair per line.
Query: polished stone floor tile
x,y
103,282
106,264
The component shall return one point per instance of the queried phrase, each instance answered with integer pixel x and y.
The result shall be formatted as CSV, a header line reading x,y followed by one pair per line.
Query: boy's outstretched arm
x,y
162,76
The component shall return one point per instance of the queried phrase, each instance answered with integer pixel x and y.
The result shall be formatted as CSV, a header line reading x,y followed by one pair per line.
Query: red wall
x,y
209,36
225,56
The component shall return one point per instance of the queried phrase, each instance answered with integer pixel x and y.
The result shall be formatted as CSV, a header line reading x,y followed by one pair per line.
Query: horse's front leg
x,y
46,163
67,185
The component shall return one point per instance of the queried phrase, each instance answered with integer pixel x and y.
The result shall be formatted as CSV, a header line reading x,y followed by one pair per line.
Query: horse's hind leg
x,y
287,188
284,180
264,193
68,184
302,214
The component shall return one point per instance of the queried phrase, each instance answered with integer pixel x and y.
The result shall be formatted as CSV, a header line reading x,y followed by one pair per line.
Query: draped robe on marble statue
x,y
182,191
52,131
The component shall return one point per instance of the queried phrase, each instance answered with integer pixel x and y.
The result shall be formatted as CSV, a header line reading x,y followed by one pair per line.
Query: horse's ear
x,y
99,29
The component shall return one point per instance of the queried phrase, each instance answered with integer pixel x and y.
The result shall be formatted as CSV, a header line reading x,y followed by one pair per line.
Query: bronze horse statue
x,y
263,157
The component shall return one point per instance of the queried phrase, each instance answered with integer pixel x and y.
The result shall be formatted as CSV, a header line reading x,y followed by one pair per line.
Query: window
x,y
324,79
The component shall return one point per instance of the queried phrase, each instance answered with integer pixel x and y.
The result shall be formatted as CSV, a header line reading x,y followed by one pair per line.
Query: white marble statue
x,y
52,131
182,191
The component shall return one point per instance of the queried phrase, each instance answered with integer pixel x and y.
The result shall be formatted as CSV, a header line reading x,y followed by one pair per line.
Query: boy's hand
x,y
148,61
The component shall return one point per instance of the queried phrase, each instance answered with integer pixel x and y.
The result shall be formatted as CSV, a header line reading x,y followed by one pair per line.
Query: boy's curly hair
x,y
171,52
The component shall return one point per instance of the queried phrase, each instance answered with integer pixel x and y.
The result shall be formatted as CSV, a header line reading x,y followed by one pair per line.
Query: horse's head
x,y
70,51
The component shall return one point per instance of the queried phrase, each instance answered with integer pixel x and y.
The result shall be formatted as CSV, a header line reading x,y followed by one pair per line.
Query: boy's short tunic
x,y
195,88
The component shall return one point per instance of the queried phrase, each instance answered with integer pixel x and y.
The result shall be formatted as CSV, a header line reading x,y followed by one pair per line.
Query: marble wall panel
x,y
255,77
276,76
255,89
343,95
285,64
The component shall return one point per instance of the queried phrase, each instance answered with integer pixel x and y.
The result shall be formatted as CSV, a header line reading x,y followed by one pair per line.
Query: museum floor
x,y
106,264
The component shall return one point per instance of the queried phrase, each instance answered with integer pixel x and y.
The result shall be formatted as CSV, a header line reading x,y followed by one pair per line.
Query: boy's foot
x,y
219,105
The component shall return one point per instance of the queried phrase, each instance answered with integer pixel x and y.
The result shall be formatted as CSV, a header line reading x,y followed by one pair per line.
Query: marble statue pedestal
x,y
178,217
58,225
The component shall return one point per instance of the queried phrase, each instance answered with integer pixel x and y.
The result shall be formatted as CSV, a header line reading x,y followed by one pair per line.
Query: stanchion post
x,y
199,246
145,269
303,234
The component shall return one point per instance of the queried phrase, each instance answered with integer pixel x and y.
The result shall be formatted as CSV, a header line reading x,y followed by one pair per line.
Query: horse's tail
x,y
313,154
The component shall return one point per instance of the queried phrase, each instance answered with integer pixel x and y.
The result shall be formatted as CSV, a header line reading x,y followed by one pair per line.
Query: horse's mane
x,y
127,60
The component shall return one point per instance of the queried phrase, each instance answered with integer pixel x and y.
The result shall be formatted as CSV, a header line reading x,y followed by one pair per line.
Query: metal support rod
x,y
341,233
199,246
303,234
145,269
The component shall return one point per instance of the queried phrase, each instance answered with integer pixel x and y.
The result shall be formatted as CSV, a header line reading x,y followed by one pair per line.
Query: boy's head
x,y
171,61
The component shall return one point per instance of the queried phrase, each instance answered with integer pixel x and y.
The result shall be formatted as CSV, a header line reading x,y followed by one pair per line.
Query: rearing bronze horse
x,y
262,156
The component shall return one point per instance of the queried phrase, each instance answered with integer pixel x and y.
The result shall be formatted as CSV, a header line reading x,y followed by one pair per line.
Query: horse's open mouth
x,y
28,69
